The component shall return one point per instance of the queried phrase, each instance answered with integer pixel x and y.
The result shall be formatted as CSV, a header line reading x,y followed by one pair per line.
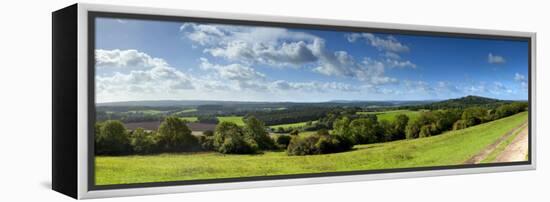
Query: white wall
x,y
25,80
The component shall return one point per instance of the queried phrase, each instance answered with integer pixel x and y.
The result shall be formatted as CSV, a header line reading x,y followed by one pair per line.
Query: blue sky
x,y
155,60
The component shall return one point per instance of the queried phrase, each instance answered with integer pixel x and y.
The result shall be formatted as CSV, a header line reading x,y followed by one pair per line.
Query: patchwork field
x,y
390,115
450,148
291,125
234,119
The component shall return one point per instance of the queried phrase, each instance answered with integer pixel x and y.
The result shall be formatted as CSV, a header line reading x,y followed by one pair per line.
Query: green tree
x,y
294,132
229,138
143,142
323,132
112,138
175,136
474,115
256,130
387,131
400,124
342,127
364,131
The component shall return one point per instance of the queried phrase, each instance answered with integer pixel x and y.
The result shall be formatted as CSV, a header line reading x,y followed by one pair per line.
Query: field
x,y
234,119
450,148
390,115
190,119
293,125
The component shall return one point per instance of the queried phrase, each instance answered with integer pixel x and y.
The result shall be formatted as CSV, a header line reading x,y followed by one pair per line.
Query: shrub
x,y
300,146
460,124
112,139
230,139
474,115
206,142
427,130
295,132
283,141
323,132
208,133
143,142
238,145
175,136
318,144
412,130
333,144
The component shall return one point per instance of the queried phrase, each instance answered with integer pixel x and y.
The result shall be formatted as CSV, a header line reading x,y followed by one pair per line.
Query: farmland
x,y
233,119
291,125
449,148
390,115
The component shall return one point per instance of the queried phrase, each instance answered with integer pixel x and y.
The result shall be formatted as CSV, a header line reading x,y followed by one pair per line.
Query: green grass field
x,y
390,115
293,125
190,119
235,119
451,148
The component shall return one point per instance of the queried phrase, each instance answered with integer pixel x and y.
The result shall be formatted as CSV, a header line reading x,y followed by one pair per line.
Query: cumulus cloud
x,y
340,63
145,75
495,59
390,47
400,64
389,43
280,47
293,53
521,79
282,85
128,59
499,88
273,46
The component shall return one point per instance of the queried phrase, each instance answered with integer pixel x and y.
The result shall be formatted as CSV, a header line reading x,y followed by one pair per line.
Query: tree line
x,y
338,131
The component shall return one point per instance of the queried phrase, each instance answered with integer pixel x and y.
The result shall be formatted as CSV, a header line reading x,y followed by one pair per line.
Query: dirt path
x,y
485,152
517,150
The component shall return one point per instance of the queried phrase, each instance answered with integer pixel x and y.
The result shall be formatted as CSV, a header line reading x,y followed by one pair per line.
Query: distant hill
x,y
464,102
195,103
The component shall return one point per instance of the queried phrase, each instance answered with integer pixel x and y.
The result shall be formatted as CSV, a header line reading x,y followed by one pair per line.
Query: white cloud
x,y
282,85
400,64
286,54
280,47
392,55
127,59
145,75
389,43
243,77
495,59
273,46
340,63
519,77
499,88
522,80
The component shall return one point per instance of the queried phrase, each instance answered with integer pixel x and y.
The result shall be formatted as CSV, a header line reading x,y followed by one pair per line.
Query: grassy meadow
x,y
293,125
449,148
390,115
233,119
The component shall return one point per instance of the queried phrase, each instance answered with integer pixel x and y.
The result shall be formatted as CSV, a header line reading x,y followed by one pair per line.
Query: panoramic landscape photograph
x,y
184,101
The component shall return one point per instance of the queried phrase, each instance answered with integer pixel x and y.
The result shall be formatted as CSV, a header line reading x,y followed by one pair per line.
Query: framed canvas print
x,y
151,101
